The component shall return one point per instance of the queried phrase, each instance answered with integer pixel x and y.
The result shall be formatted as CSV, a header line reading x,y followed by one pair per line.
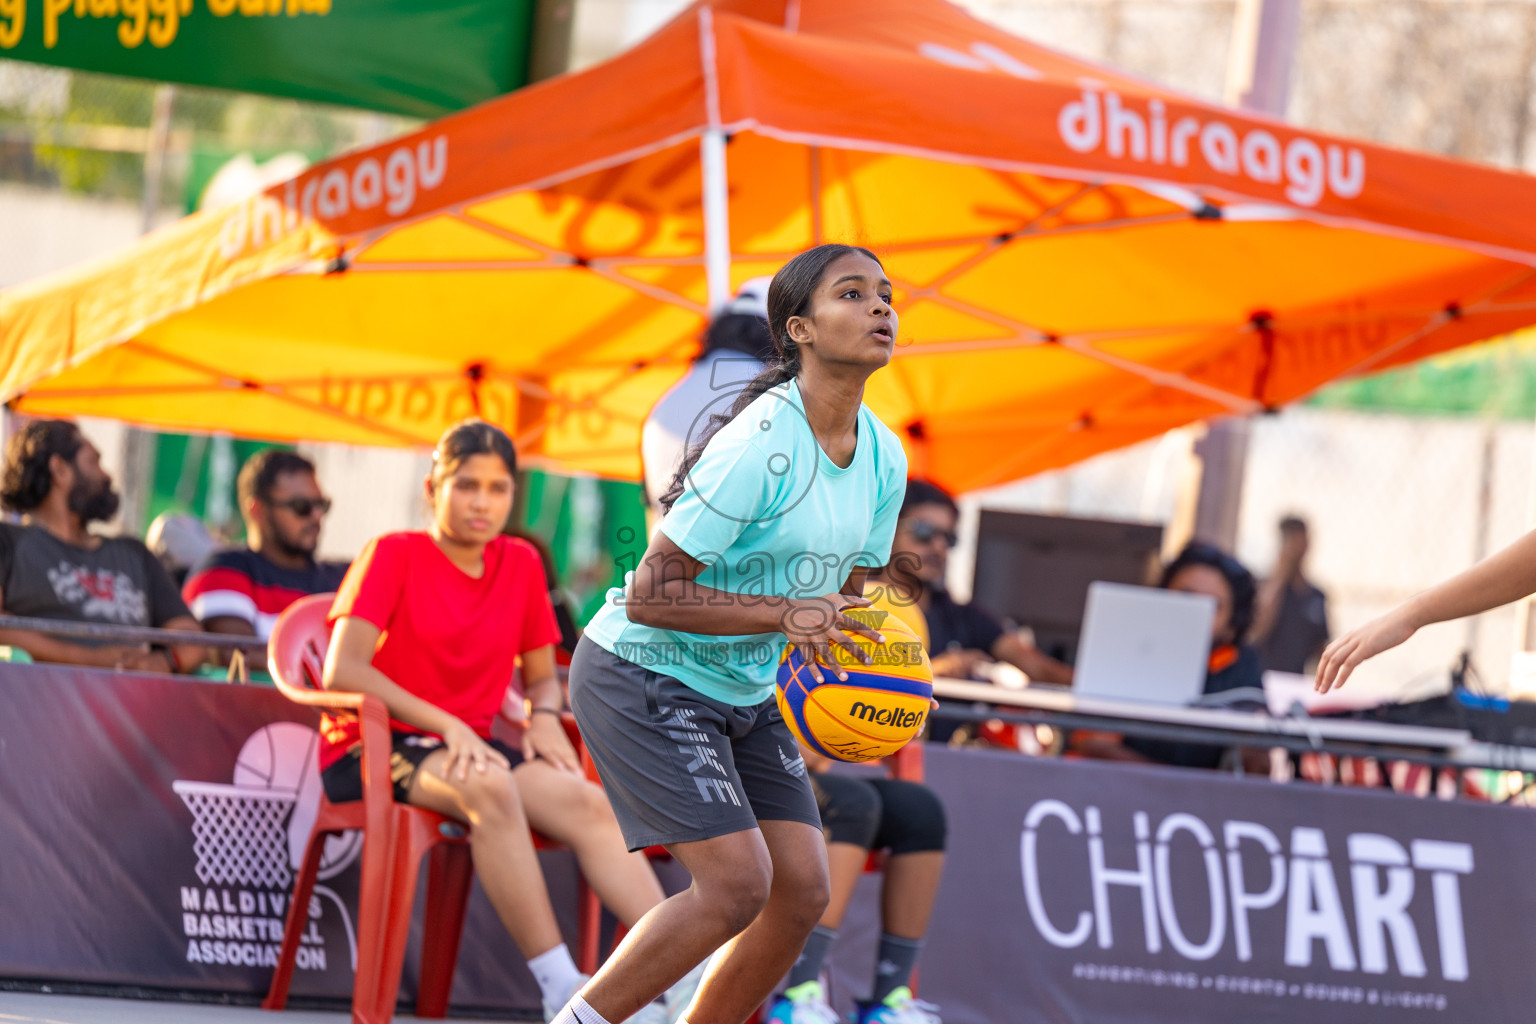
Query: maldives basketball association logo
x,y
249,836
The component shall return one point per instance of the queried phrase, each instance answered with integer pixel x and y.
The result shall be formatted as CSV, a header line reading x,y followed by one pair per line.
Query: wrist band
x,y
548,711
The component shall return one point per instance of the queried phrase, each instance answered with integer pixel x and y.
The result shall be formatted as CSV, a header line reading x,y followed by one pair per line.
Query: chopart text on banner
x,y
1382,874
157,21
1308,170
393,182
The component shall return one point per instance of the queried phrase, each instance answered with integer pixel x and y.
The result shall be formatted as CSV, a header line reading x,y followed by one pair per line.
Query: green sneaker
x,y
900,1007
803,1004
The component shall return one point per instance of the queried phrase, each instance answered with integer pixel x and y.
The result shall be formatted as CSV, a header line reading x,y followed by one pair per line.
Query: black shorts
x,y
343,780
679,766
880,814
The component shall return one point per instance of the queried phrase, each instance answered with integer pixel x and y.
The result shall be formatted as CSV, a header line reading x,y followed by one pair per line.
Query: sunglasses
x,y
923,531
304,507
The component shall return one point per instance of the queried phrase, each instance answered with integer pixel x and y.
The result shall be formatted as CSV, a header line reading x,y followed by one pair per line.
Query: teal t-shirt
x,y
768,513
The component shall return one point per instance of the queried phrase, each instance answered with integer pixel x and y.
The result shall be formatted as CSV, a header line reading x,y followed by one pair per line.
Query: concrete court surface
x,y
43,1008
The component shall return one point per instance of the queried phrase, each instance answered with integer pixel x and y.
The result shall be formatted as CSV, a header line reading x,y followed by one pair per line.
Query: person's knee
x,y
815,896
590,804
742,900
850,809
801,894
491,798
914,819
737,894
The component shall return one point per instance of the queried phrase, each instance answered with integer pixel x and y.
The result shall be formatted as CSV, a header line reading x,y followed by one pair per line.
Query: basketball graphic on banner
x,y
285,756
278,756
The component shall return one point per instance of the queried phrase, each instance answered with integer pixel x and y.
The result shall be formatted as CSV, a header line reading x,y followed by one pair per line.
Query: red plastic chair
x,y
395,838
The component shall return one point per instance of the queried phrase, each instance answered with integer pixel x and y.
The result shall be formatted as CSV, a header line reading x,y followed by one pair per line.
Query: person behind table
x,y
859,815
673,680
963,634
433,623
52,566
1290,627
737,346
1233,668
241,592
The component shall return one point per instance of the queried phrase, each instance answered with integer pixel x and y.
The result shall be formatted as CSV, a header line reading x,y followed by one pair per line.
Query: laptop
x,y
1144,644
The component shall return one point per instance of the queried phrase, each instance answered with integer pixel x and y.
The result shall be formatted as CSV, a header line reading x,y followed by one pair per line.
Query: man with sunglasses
x,y
963,635
243,591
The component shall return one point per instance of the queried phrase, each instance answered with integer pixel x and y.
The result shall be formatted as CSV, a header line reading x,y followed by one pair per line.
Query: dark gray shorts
x,y
679,766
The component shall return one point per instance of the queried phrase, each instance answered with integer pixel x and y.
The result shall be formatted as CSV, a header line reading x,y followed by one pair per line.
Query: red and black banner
x,y
151,828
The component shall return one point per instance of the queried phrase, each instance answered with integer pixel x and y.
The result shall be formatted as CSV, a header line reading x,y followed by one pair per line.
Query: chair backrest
x,y
300,637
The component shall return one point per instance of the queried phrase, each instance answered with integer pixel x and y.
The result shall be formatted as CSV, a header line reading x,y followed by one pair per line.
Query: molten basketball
x,y
876,710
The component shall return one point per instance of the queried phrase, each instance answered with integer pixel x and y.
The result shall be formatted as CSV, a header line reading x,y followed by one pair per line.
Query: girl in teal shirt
x,y
772,521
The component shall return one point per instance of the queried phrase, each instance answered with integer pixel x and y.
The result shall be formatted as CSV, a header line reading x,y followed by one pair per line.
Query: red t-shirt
x,y
446,637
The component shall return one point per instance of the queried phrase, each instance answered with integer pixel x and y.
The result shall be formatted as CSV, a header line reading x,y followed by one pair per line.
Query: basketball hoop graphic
x,y
239,833
252,831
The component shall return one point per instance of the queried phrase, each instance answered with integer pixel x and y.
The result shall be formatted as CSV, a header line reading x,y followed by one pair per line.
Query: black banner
x,y
150,827
1082,891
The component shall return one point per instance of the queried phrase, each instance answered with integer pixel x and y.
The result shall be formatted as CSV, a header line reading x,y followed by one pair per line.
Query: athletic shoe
x,y
900,1007
653,1012
550,1011
803,1004
681,994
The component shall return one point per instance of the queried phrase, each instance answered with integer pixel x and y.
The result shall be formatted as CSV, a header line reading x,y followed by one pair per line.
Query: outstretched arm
x,y
1503,577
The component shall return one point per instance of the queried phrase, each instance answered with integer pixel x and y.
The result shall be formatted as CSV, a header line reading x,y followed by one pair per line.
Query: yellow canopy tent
x,y
1082,260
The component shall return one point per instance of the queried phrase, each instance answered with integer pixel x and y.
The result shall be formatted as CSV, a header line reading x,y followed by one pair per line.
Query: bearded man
x,y
53,566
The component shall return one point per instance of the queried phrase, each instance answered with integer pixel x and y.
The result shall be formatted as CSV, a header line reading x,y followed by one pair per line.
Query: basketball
x,y
872,714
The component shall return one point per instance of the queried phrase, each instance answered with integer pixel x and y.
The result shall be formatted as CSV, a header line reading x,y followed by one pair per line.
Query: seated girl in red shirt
x,y
432,623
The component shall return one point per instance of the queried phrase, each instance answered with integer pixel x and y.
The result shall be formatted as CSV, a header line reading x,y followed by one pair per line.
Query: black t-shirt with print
x,y
119,582
956,626
952,625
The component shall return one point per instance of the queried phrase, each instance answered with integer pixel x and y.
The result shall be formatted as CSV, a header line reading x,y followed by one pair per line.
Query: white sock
x,y
556,974
578,1012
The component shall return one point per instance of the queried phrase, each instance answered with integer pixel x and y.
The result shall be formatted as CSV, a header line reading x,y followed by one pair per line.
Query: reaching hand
x,y
1348,651
816,625
465,748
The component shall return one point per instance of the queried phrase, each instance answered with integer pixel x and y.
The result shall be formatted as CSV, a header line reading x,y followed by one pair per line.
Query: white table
x,y
1454,746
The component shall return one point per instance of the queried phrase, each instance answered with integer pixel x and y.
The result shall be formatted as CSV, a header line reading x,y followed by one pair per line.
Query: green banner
x,y
424,58
1496,379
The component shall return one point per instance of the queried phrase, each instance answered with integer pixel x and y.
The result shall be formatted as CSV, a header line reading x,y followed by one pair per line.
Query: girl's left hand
x,y
545,738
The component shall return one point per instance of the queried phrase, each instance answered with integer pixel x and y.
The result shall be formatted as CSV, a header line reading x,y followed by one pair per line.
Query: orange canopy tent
x,y
1081,259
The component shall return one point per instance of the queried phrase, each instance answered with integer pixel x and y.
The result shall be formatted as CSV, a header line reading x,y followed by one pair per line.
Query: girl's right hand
x,y
816,625
465,748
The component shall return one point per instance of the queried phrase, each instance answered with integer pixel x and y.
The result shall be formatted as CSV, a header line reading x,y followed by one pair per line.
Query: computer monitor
x,y
1034,570
1144,644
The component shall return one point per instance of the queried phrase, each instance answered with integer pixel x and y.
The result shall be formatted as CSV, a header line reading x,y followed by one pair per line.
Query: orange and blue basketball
x,y
872,714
